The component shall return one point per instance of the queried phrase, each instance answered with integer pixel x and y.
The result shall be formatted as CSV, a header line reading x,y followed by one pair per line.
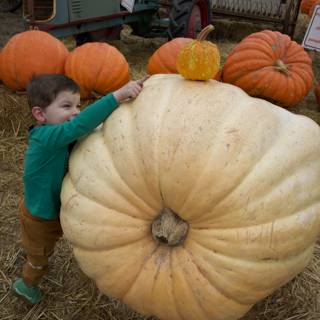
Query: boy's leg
x,y
38,239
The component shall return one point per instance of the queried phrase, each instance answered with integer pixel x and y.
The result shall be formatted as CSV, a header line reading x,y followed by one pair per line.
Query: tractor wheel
x,y
187,18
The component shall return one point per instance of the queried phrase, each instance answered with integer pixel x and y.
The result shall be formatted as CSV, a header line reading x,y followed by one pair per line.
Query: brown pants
x,y
38,240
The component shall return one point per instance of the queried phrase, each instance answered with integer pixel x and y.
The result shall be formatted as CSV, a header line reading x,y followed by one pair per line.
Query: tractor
x,y
98,20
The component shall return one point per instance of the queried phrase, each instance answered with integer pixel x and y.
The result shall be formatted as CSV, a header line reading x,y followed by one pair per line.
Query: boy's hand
x,y
130,91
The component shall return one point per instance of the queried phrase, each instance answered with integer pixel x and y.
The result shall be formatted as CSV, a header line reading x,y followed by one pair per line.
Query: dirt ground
x,y
70,294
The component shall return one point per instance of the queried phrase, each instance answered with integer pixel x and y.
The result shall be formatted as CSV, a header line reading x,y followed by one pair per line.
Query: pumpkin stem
x,y
204,32
282,67
168,228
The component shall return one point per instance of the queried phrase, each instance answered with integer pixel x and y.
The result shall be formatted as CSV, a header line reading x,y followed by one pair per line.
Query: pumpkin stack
x,y
195,200
182,54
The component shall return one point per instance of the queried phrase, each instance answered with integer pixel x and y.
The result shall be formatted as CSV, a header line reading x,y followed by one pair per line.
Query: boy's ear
x,y
38,114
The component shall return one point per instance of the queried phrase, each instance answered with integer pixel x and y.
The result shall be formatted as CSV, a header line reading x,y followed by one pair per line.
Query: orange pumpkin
x,y
200,59
30,53
306,5
268,64
312,7
164,59
97,67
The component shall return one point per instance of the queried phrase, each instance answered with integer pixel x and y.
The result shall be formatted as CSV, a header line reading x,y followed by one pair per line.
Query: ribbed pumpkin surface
x,y
97,67
30,53
241,173
270,65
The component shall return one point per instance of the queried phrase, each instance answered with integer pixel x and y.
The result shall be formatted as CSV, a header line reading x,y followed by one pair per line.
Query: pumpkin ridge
x,y
220,288
147,258
236,244
141,206
303,86
180,277
132,143
214,285
207,310
250,171
246,265
223,287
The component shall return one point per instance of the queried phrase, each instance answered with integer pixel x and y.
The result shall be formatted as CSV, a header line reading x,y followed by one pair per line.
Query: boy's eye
x,y
66,106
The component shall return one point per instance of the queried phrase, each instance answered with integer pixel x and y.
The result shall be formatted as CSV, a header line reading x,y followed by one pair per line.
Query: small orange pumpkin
x,y
30,53
269,65
97,67
199,59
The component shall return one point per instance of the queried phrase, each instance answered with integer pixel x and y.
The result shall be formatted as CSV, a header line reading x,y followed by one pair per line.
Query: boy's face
x,y
64,107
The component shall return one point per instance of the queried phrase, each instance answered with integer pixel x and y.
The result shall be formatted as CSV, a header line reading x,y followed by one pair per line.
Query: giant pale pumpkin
x,y
31,53
268,64
195,200
97,67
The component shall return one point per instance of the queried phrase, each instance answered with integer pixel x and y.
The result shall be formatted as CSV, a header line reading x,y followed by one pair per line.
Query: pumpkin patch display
x,y
268,64
97,67
31,53
195,200
199,59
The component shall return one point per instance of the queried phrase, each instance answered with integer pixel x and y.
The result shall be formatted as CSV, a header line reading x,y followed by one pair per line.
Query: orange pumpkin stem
x,y
204,32
282,67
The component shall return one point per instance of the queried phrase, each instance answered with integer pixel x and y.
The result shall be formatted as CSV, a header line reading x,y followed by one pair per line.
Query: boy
x,y
54,101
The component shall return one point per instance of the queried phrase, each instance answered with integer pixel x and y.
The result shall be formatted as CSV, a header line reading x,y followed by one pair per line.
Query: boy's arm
x,y
63,134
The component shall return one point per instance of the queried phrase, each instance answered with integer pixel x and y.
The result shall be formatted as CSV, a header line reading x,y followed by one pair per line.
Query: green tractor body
x,y
64,18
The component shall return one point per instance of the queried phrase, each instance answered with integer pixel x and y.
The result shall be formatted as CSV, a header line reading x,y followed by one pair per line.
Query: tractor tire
x,y
188,17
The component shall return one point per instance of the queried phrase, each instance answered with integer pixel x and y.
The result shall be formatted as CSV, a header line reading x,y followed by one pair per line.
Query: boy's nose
x,y
76,111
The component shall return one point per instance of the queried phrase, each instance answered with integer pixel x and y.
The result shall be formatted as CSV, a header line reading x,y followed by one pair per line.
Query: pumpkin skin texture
x,y
270,65
97,67
164,59
312,7
244,190
306,5
31,53
200,59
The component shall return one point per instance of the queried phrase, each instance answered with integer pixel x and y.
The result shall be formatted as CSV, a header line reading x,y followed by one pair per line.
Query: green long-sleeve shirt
x,y
47,156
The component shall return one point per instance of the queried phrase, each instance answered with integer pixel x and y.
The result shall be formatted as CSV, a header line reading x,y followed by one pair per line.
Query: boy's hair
x,y
43,89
